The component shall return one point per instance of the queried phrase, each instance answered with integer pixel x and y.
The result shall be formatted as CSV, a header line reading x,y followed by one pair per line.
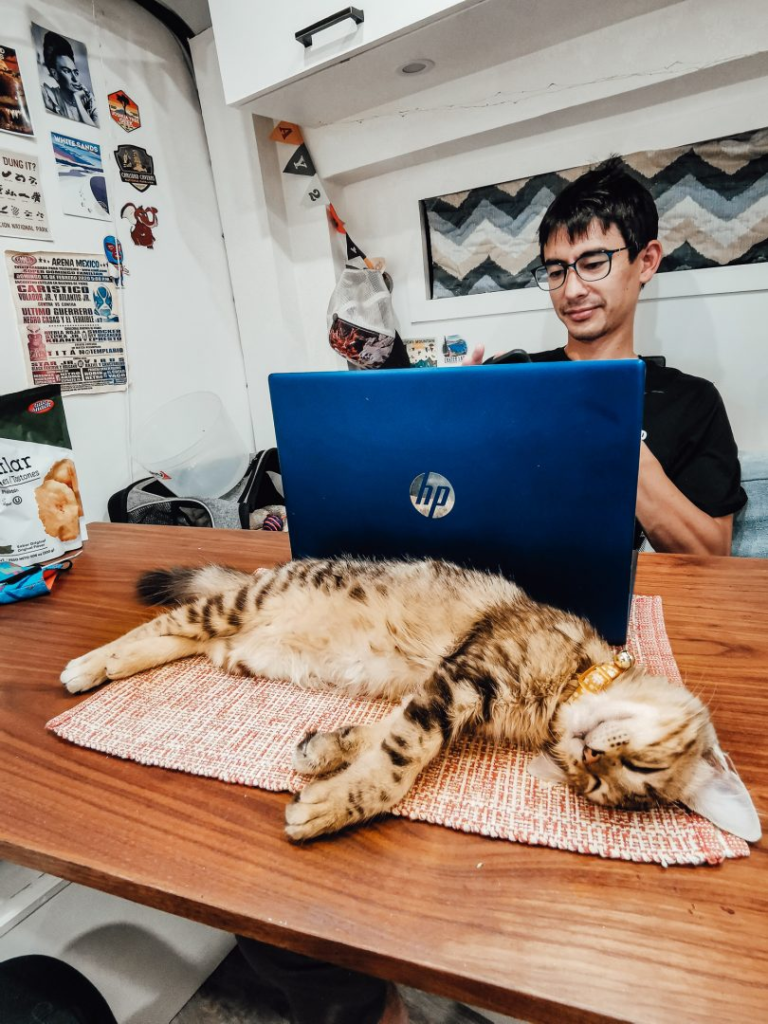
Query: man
x,y
598,249
69,97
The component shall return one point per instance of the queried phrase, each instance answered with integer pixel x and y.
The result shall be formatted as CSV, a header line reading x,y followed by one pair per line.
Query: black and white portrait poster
x,y
14,112
65,78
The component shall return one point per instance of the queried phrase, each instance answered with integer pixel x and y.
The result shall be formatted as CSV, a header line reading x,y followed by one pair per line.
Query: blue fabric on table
x,y
18,584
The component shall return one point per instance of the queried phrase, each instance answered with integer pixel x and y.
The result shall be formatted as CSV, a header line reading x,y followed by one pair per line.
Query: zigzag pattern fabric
x,y
712,199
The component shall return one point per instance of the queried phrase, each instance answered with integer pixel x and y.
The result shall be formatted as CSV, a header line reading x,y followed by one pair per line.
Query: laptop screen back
x,y
529,470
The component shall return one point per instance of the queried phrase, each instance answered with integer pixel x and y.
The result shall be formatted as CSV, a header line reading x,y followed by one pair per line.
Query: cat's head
x,y
642,741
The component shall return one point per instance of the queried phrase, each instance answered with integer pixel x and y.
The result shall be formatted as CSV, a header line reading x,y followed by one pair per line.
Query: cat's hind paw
x,y
85,672
320,753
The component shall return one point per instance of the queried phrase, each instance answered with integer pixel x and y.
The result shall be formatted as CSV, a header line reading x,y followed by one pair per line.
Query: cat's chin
x,y
576,722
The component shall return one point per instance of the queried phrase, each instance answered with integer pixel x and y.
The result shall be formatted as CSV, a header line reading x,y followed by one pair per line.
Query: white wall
x,y
723,337
180,326
275,248
691,71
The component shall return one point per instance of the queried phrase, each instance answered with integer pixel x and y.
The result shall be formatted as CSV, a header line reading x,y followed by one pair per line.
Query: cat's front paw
x,y
127,658
323,807
357,793
87,671
320,753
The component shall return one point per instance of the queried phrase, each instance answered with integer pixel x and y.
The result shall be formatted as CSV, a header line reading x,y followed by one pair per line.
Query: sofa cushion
x,y
750,524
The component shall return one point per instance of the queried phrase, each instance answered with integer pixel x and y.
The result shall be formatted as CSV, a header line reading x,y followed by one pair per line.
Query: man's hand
x,y
475,358
671,522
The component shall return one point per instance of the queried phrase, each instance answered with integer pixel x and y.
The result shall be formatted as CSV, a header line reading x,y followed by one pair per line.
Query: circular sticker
x,y
432,495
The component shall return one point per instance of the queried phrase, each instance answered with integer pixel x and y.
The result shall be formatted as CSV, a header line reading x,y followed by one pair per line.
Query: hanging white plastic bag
x,y
361,320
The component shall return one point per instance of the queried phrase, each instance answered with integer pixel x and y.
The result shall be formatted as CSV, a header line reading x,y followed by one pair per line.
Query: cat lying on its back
x,y
461,650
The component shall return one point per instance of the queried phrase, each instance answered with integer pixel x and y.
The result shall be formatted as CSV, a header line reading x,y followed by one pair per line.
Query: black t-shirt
x,y
398,357
686,427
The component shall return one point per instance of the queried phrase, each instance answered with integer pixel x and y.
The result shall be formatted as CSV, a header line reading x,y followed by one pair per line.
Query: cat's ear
x,y
721,797
543,767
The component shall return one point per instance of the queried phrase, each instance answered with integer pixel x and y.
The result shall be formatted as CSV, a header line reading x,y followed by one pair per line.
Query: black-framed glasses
x,y
590,266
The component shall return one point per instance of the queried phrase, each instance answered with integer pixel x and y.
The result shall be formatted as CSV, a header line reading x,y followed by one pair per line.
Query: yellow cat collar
x,y
599,677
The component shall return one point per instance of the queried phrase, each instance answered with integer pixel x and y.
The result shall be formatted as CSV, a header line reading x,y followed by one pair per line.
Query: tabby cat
x,y
459,649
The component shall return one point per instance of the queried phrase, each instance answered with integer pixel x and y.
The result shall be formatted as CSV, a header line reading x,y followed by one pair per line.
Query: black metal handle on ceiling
x,y
304,35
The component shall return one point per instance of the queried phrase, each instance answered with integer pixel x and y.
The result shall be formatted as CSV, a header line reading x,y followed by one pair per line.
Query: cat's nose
x,y
589,756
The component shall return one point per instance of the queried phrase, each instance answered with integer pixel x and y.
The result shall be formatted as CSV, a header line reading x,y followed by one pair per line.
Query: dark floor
x,y
234,995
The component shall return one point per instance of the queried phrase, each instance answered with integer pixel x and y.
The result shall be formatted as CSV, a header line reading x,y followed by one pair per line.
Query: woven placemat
x,y
192,717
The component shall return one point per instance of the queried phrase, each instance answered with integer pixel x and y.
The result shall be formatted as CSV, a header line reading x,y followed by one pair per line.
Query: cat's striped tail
x,y
188,583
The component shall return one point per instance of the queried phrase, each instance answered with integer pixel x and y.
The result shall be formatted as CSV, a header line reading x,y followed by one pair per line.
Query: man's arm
x,y
671,521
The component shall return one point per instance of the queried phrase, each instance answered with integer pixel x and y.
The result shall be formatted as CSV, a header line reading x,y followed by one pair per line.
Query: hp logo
x,y
432,495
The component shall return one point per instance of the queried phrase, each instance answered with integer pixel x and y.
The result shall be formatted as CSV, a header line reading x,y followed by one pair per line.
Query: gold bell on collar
x,y
599,677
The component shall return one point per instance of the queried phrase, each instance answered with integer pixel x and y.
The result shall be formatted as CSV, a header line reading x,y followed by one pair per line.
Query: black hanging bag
x,y
150,502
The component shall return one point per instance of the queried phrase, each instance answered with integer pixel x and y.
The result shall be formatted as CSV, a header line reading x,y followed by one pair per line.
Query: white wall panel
x,y
180,326
660,80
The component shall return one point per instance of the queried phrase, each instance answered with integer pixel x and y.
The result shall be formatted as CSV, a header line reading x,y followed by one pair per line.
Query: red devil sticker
x,y
142,220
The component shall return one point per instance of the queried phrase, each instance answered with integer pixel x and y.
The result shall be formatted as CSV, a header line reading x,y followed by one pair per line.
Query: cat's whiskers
x,y
698,690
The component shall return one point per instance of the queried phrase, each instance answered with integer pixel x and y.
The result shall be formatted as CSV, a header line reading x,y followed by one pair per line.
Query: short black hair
x,y
55,46
609,194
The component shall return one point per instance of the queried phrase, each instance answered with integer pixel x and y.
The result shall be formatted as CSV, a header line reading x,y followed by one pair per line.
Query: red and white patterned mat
x,y
192,717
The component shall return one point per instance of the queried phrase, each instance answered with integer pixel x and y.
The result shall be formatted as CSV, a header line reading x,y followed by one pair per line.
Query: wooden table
x,y
537,933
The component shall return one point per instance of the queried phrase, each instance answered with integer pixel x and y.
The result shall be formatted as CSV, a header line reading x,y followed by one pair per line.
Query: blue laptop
x,y
525,469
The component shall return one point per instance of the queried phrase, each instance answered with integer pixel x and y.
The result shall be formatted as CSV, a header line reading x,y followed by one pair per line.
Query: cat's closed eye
x,y
642,768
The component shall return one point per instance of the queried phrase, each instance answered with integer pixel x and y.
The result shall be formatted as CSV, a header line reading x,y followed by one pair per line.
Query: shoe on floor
x,y
395,1010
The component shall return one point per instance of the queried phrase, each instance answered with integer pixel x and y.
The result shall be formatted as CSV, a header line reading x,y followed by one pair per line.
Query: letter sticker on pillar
x,y
300,163
336,220
124,110
315,194
287,131
353,251
355,256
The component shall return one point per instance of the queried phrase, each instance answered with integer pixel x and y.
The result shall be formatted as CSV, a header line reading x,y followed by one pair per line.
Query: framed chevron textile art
x,y
712,199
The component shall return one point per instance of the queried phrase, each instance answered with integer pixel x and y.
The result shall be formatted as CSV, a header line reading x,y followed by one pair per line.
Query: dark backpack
x,y
150,502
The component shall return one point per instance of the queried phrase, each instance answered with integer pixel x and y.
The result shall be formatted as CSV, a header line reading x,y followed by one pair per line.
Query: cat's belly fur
x,y
357,667
369,652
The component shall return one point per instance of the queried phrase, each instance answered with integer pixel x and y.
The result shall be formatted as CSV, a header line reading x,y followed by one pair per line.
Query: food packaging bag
x,y
41,513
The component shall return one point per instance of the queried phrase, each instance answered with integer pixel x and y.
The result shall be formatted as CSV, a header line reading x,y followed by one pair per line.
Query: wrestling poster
x,y
70,322
22,207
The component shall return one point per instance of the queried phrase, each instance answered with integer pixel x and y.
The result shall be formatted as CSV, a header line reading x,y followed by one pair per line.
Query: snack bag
x,y
40,507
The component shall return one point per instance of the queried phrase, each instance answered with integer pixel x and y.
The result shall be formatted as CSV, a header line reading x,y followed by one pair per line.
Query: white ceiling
x,y
194,12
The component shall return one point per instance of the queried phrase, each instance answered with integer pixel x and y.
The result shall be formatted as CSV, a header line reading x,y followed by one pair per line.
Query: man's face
x,y
66,73
594,309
